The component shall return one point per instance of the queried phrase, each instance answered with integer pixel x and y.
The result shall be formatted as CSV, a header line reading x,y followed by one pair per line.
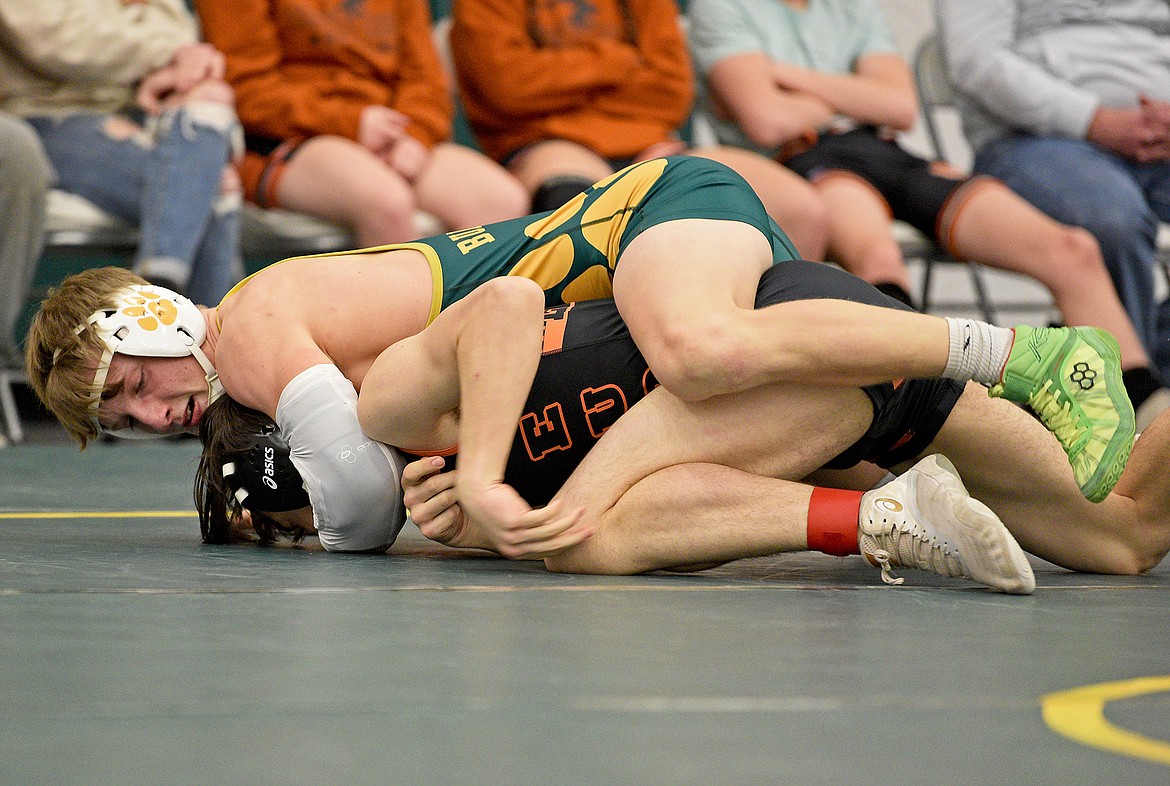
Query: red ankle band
x,y
832,521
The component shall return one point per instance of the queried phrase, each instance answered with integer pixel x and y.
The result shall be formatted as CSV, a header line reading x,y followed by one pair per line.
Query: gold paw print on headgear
x,y
151,309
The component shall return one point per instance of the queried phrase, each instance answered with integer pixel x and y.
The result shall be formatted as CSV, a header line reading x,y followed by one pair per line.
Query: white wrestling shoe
x,y
926,519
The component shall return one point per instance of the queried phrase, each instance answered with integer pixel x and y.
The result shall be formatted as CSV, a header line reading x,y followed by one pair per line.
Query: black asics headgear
x,y
263,478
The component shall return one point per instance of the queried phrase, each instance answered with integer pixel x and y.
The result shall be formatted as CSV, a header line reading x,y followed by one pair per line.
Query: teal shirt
x,y
830,36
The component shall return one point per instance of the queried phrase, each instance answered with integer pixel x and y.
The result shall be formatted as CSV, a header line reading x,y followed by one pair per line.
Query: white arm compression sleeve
x,y
354,482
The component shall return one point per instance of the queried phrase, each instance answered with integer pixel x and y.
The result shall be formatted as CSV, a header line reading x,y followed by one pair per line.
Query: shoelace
x,y
1058,416
914,551
882,557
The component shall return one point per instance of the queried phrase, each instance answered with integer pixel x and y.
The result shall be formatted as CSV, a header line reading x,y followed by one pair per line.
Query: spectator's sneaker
x,y
926,519
1071,378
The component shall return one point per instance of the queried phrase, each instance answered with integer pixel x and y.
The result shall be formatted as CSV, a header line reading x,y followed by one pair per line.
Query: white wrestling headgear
x,y
149,321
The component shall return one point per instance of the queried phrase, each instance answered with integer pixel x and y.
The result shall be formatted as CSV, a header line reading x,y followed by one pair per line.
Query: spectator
x,y
134,116
347,115
1069,104
832,112
25,176
564,93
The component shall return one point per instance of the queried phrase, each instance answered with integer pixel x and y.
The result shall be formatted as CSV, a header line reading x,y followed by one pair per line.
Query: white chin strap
x,y
148,321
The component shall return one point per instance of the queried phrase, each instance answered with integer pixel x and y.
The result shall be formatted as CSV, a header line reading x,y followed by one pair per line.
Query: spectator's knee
x,y
812,215
511,200
207,113
229,181
883,252
26,161
1123,228
1077,252
214,115
387,213
231,191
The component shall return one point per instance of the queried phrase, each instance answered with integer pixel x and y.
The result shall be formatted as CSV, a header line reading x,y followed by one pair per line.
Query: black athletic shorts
x,y
591,373
914,191
907,414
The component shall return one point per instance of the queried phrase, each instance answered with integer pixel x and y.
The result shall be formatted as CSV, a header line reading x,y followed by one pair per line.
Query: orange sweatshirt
x,y
612,75
307,67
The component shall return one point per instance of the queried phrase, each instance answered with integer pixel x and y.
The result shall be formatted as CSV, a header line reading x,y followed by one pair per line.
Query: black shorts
x,y
591,373
907,415
913,190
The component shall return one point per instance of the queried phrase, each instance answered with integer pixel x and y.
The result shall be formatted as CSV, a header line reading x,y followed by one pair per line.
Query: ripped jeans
x,y
166,180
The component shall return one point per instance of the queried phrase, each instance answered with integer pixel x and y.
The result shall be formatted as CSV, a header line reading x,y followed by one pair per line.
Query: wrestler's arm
x,y
470,370
473,365
353,482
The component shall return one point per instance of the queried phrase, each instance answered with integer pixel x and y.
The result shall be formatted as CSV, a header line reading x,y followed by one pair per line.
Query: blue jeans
x,y
1119,202
169,185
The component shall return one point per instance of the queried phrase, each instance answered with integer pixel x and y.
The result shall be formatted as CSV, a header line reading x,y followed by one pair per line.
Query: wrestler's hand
x,y
516,529
429,495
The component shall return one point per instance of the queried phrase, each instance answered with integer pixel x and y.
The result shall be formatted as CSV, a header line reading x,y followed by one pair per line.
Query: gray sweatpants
x,y
25,176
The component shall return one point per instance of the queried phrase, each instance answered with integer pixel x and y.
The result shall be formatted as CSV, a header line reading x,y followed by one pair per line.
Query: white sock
x,y
978,351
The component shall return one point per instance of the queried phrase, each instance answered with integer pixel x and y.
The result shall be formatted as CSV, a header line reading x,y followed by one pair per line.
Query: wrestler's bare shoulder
x,y
342,309
258,353
393,276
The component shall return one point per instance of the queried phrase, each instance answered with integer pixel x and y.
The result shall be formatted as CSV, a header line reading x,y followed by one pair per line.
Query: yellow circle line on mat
x,y
101,514
1080,715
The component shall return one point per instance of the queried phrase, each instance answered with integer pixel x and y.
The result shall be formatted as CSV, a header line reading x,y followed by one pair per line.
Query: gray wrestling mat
x,y
134,655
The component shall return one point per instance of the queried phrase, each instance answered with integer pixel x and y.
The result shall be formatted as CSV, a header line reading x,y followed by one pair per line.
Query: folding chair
x,y
936,95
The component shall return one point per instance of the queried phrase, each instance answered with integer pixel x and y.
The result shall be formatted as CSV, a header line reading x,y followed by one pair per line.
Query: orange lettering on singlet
x,y
602,407
555,321
545,433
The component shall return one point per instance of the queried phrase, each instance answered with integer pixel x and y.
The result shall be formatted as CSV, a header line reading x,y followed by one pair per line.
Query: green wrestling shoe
x,y
1071,378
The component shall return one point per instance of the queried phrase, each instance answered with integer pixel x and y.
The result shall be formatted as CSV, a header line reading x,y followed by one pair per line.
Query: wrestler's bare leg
x,y
686,290
691,517
1011,463
714,491
1007,460
789,199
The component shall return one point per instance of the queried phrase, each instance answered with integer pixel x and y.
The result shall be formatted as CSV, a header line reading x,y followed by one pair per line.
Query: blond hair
x,y
59,359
